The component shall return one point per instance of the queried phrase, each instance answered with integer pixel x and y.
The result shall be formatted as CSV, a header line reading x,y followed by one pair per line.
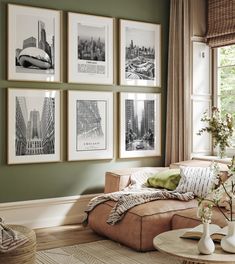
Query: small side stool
x,y
24,254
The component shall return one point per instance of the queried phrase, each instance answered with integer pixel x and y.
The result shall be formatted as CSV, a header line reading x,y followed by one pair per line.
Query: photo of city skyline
x,y
139,54
139,125
91,42
35,44
91,125
34,125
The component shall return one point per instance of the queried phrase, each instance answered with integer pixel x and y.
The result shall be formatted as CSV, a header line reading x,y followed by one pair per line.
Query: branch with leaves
x,y
220,128
224,193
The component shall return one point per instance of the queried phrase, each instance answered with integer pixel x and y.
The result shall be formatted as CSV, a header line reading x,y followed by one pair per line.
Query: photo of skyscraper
x,y
35,45
91,43
139,125
34,125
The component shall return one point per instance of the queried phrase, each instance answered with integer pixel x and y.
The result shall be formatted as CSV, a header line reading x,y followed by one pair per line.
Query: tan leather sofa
x,y
143,222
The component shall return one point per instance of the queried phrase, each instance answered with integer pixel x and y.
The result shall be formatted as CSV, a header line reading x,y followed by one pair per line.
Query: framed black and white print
x,y
90,125
140,53
140,125
90,49
34,44
33,126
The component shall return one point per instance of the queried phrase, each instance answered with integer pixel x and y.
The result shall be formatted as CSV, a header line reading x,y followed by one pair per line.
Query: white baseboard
x,y
46,212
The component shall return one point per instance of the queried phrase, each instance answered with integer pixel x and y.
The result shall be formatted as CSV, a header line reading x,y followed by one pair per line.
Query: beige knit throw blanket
x,y
9,238
127,199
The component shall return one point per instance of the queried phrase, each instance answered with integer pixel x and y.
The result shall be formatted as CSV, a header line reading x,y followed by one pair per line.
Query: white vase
x,y
228,242
206,245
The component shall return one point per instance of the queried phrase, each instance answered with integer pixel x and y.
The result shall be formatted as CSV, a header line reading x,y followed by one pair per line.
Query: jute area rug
x,y
101,252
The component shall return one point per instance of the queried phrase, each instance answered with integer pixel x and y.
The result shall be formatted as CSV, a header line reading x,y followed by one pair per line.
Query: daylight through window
x,y
226,81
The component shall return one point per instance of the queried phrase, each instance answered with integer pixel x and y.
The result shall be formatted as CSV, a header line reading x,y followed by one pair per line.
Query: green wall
x,y
37,181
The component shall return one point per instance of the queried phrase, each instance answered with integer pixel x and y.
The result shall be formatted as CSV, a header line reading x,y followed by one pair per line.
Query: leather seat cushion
x,y
140,224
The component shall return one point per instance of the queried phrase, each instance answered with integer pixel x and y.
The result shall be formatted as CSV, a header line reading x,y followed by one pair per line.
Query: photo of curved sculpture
x,y
34,43
140,125
140,53
35,50
34,125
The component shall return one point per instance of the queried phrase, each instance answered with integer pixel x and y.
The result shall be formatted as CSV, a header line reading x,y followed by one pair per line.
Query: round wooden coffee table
x,y
186,249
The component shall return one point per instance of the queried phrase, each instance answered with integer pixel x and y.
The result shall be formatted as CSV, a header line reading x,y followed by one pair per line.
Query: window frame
x,y
215,95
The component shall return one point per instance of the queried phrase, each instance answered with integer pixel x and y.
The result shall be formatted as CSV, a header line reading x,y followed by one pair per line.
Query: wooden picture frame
x,y
140,53
140,125
90,125
34,44
90,49
34,126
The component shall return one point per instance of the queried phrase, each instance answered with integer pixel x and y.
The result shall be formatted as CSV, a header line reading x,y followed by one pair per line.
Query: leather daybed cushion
x,y
140,224
143,222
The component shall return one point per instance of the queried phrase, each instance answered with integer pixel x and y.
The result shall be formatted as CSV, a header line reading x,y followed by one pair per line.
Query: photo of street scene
x,y
139,125
91,125
91,43
139,54
34,125
35,44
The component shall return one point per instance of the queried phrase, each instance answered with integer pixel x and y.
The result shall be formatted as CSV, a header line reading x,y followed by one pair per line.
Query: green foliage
x,y
226,56
221,128
226,81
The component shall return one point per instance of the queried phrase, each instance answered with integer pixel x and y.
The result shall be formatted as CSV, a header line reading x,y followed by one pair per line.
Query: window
x,y
225,88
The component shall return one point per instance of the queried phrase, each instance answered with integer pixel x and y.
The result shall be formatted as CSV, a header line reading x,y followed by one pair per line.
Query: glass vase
x,y
206,245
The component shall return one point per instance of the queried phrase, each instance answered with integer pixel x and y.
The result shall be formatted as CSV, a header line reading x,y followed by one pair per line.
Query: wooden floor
x,y
61,236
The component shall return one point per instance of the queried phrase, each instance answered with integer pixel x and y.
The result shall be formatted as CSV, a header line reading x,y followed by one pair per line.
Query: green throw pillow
x,y
167,179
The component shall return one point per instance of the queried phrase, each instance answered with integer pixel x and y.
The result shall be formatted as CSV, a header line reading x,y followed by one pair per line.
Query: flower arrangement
x,y
225,194
220,128
205,212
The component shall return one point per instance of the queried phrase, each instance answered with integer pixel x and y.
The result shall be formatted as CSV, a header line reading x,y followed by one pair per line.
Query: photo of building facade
x,y
35,129
21,126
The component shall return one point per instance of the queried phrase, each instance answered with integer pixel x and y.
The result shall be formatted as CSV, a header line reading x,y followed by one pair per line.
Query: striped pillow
x,y
197,180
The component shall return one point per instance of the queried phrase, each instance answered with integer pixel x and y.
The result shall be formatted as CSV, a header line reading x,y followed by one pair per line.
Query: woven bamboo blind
x,y
221,23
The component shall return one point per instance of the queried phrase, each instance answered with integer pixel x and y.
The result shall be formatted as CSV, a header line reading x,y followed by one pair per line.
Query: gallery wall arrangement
x,y
34,45
63,121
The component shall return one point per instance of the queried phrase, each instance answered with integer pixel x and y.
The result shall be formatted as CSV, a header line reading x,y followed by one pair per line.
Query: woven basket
x,y
24,254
